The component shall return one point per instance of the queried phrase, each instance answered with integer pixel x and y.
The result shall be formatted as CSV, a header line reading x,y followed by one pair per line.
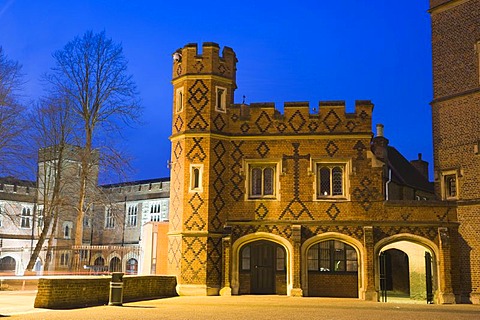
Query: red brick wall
x,y
332,285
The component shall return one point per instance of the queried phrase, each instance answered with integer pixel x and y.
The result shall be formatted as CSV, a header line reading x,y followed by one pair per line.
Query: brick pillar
x,y
226,290
296,290
445,291
370,292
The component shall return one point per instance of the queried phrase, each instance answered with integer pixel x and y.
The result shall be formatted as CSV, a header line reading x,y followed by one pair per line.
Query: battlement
x,y
300,118
16,186
188,61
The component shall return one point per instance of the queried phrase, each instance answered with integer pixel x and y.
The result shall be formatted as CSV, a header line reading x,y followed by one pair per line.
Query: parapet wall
x,y
78,292
299,118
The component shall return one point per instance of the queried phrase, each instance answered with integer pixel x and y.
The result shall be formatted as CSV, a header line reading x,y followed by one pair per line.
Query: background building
x,y
456,129
112,231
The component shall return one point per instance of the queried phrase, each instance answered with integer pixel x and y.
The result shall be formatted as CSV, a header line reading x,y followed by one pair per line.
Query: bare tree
x,y
11,124
51,132
91,72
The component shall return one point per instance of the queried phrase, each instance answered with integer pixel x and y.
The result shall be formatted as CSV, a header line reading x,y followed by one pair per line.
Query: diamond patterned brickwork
x,y
293,142
297,119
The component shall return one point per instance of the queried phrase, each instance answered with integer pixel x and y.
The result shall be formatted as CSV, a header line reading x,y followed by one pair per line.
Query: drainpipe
x,y
387,183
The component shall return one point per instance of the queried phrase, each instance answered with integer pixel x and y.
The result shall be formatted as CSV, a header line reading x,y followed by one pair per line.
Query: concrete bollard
x,y
116,289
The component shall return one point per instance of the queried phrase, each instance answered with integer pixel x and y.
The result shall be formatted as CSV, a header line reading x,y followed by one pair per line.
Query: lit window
x,y
330,180
262,180
332,256
132,215
109,218
179,100
221,99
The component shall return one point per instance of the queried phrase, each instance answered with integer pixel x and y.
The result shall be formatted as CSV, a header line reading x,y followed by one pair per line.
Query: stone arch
x,y
428,245
357,245
115,262
8,264
258,236
127,258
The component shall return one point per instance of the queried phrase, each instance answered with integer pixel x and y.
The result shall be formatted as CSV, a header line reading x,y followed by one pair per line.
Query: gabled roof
x,y
405,173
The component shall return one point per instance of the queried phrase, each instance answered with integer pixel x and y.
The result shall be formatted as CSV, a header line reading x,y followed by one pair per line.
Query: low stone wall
x,y
16,284
77,292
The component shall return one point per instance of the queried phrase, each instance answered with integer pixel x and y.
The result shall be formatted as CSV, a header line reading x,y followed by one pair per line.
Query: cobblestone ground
x,y
251,307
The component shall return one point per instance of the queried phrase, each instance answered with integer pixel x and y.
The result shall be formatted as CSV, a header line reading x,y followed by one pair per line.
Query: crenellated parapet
x,y
297,118
189,61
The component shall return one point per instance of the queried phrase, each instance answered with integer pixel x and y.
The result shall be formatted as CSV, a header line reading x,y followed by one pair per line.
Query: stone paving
x,y
19,306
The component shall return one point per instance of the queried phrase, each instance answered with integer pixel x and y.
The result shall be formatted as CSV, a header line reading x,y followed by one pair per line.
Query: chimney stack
x,y
421,166
379,144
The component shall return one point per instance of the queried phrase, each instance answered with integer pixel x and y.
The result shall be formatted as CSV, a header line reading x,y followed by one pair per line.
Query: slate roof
x,y
403,172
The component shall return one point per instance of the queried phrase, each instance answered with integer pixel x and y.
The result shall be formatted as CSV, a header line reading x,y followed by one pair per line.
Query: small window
x,y
87,221
262,180
40,218
179,100
26,217
221,99
109,218
450,186
196,177
67,232
64,259
83,255
67,229
132,215
330,180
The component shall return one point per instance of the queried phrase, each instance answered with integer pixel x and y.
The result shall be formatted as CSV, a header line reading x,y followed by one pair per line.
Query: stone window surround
x,y
345,164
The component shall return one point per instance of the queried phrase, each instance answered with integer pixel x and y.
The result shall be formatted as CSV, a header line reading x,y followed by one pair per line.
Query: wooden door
x,y
263,268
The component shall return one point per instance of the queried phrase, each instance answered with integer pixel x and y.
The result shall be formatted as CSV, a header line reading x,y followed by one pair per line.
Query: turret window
x,y
221,99
179,100
196,177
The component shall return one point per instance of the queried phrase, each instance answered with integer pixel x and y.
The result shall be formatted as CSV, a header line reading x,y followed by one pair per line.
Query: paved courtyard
x,y
19,305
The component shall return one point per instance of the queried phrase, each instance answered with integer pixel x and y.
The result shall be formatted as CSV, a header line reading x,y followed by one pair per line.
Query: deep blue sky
x,y
287,50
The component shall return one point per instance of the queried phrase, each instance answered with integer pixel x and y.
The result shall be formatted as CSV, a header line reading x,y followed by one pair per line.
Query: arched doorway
x,y
262,268
406,272
394,268
132,266
99,265
7,264
332,268
115,265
